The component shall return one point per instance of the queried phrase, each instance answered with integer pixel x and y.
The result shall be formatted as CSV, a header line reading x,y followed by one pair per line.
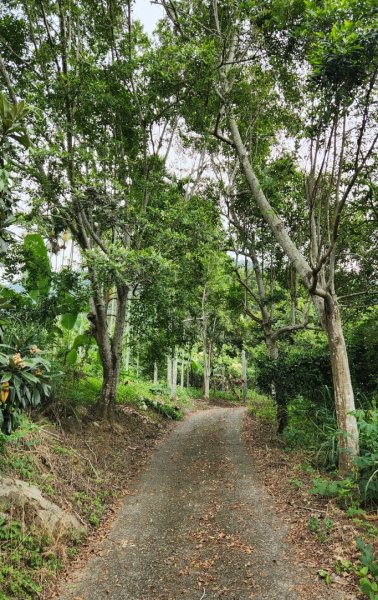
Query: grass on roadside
x,y
83,390
261,406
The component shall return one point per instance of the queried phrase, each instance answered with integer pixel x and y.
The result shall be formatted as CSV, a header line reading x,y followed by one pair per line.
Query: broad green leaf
x,y
36,397
82,340
46,389
37,265
29,377
6,377
4,360
68,320
71,357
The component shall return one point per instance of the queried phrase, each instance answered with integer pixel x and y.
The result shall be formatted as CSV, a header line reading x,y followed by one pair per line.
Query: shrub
x,y
168,411
367,462
25,382
369,570
345,490
262,406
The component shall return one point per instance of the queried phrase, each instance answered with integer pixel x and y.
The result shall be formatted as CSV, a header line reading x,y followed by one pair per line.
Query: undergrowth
x,y
83,390
312,433
25,558
313,429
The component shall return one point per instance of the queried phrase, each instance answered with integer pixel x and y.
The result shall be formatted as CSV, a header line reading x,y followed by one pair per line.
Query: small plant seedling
x,y
306,468
343,565
366,526
296,483
353,511
322,529
314,524
58,449
323,574
328,524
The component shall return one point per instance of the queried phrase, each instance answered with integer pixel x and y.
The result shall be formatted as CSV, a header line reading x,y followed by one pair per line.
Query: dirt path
x,y
199,525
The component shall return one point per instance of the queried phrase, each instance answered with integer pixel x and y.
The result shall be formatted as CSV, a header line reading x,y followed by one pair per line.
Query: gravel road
x,y
199,525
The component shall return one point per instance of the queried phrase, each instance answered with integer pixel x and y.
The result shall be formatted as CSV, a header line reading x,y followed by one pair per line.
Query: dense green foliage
x,y
125,262
172,203
123,267
25,377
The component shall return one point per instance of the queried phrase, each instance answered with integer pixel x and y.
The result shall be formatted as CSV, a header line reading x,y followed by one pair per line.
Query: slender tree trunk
x,y
127,332
174,379
188,374
342,385
155,373
268,213
206,352
127,357
293,294
182,373
70,263
244,376
206,363
206,374
343,391
206,382
112,310
278,389
169,372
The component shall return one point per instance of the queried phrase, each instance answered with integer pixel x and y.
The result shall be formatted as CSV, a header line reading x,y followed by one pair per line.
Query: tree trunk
x,y
343,391
169,372
155,373
281,400
110,352
174,379
127,332
244,376
182,373
206,353
127,357
206,384
206,375
278,390
342,385
188,373
106,402
269,215
112,310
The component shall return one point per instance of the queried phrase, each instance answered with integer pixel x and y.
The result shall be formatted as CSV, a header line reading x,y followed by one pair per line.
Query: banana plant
x,y
12,130
24,382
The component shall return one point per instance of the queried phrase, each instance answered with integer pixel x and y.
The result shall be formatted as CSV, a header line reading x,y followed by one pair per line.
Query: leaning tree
x,y
324,61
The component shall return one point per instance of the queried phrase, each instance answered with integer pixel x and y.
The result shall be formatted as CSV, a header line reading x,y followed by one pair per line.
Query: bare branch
x,y
220,135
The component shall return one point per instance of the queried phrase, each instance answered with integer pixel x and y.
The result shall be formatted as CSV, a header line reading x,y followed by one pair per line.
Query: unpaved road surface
x,y
199,525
